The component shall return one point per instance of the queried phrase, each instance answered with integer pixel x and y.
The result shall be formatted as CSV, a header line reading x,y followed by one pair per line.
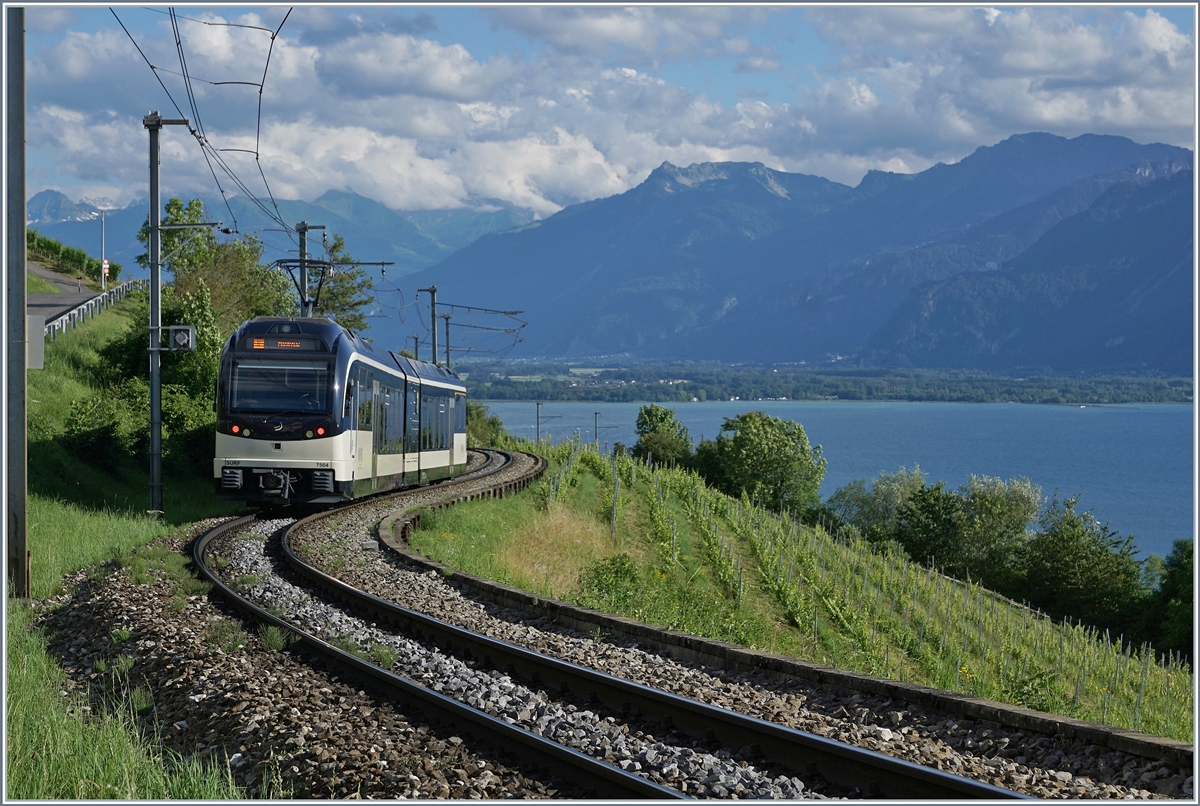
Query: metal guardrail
x,y
76,316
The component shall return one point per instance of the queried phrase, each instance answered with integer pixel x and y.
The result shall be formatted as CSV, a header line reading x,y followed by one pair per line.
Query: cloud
x,y
366,98
330,25
758,64
641,35
940,78
400,64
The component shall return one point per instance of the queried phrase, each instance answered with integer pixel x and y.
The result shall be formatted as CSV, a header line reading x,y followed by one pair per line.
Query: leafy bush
x,y
188,423
111,425
766,458
111,428
610,584
661,436
484,430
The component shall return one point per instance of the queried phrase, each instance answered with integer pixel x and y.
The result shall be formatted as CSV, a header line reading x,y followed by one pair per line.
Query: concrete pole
x,y
103,276
302,230
16,451
432,319
446,316
153,122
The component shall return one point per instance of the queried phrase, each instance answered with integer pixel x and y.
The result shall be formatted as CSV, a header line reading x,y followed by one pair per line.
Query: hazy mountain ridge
x,y
844,306
1106,290
732,261
735,261
373,232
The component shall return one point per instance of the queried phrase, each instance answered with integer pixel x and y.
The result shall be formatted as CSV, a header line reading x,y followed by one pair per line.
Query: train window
x,y
280,385
443,423
365,380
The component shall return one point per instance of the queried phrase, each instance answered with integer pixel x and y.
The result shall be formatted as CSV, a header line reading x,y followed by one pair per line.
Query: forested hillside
x,y
1106,290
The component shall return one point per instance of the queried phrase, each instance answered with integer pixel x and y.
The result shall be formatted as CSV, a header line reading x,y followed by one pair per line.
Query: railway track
x,y
508,695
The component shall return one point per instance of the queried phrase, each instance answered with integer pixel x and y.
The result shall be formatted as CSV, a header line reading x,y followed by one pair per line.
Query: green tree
x,y
661,435
179,248
1173,602
875,511
239,286
767,458
929,525
1079,567
484,430
995,517
344,294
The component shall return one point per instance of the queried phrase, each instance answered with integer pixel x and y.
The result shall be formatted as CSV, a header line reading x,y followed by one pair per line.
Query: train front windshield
x,y
279,386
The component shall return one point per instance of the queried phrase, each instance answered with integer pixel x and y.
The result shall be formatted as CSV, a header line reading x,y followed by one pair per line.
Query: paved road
x,y
71,293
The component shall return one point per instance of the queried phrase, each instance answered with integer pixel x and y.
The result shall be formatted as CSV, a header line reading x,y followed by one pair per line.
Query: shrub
x,y
610,584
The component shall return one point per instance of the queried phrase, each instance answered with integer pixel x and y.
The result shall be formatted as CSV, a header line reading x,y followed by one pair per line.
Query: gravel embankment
x,y
278,718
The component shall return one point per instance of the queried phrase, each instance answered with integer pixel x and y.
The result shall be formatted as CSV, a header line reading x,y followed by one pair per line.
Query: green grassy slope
x,y
689,558
78,517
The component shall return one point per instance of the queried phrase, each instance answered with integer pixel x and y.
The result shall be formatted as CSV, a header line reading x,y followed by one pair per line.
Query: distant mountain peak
x,y
52,206
100,203
671,178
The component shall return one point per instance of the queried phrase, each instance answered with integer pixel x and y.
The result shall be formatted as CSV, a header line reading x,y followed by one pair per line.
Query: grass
x,y
80,517
689,558
36,285
57,752
74,370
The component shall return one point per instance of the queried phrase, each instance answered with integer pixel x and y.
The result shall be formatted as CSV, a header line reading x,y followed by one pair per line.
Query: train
x,y
309,412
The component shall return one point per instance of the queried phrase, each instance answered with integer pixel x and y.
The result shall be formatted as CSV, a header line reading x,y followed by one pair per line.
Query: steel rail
x,y
593,775
873,774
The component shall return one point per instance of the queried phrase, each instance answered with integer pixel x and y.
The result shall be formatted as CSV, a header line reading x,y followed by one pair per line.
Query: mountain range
x,y
410,240
738,262
1040,253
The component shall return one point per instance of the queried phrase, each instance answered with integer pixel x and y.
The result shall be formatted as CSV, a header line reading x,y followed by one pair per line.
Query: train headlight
x,y
308,434
246,432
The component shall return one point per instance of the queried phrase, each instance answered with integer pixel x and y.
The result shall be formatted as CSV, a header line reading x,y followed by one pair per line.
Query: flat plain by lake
x,y
1132,465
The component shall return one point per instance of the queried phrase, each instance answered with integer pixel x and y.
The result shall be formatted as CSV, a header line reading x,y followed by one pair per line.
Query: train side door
x,y
411,425
351,412
377,415
412,444
362,427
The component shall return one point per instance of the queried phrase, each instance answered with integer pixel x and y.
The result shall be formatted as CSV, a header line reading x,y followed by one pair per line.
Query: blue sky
x,y
544,106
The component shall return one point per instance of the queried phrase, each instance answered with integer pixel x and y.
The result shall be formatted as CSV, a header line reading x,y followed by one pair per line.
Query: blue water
x,y
1131,465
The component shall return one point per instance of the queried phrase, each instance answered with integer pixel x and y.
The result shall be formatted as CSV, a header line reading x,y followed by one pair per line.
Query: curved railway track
x,y
720,738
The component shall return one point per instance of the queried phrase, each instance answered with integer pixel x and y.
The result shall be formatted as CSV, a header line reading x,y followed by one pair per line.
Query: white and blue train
x,y
308,412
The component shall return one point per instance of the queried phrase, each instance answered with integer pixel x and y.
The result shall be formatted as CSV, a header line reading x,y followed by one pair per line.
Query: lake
x,y
1131,465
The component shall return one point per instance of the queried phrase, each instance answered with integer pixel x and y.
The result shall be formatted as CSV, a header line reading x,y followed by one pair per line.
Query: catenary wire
x,y
211,153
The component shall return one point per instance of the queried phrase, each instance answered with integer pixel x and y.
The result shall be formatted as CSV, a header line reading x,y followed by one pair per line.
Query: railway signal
x,y
181,338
